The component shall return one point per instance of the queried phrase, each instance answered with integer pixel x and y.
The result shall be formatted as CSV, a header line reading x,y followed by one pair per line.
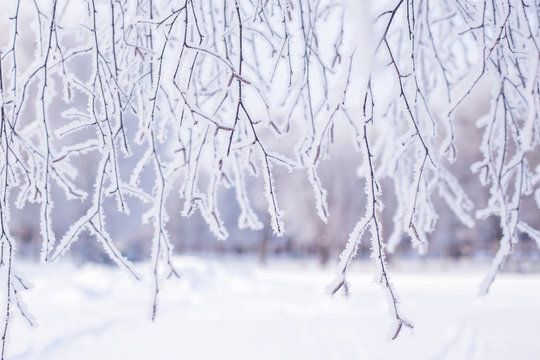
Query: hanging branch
x,y
168,99
371,220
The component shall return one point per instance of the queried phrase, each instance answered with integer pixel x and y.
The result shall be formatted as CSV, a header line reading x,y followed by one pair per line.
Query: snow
x,y
237,309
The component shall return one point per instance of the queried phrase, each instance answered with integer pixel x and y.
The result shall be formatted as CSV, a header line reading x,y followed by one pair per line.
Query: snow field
x,y
236,309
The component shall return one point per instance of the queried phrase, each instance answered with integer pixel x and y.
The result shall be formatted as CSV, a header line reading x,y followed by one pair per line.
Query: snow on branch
x,y
142,103
371,220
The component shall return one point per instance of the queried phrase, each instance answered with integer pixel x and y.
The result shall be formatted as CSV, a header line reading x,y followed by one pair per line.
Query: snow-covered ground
x,y
235,309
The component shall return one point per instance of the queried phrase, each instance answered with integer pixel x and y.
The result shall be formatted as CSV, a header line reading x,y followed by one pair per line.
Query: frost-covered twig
x,y
371,220
190,97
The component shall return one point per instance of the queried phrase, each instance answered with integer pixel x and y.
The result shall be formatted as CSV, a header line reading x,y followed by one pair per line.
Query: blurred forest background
x,y
307,235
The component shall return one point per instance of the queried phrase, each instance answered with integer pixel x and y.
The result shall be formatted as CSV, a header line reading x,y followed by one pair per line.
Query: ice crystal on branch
x,y
143,102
